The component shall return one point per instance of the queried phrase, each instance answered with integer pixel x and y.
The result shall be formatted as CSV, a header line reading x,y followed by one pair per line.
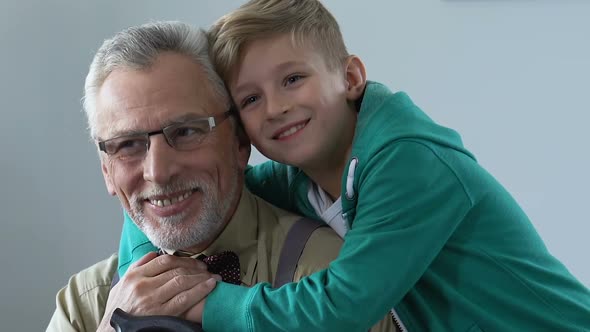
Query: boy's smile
x,y
290,131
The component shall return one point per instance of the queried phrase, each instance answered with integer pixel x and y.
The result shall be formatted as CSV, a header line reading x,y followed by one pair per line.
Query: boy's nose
x,y
276,106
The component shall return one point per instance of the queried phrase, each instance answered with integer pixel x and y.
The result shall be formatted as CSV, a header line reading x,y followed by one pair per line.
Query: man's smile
x,y
169,205
161,202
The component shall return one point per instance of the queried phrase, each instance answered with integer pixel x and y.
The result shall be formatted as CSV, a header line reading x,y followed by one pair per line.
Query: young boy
x,y
426,229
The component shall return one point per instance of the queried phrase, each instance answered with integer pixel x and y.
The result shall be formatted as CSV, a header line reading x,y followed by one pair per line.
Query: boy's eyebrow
x,y
276,70
286,65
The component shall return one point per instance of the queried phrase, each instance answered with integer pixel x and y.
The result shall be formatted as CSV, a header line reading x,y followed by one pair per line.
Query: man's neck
x,y
231,211
238,232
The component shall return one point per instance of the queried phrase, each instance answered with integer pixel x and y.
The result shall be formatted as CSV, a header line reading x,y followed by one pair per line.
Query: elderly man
x,y
174,154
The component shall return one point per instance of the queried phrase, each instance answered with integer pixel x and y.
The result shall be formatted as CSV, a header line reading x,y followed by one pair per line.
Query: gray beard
x,y
175,232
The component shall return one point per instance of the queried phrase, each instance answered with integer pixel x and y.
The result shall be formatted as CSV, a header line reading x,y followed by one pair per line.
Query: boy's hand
x,y
160,285
195,313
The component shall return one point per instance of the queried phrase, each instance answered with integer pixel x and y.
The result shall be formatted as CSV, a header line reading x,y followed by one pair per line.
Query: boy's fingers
x,y
190,298
167,276
180,284
146,258
163,263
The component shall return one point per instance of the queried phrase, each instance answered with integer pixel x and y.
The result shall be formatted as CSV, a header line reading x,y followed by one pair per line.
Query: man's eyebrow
x,y
186,117
189,116
122,133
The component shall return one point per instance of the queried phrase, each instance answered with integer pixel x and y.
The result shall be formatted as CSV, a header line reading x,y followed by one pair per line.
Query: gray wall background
x,y
511,76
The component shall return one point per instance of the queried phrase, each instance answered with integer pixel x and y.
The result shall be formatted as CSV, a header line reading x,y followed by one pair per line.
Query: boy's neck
x,y
329,176
326,171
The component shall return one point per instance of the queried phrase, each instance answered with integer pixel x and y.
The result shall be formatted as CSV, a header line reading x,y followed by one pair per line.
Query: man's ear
x,y
244,155
356,77
108,179
244,145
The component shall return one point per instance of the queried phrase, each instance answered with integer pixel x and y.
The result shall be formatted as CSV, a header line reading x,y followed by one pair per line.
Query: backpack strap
x,y
293,247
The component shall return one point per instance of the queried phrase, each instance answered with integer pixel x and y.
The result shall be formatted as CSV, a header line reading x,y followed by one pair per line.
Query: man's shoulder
x,y
97,275
274,225
321,248
282,221
274,217
81,303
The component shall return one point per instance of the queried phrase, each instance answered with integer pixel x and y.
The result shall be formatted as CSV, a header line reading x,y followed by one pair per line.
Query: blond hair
x,y
308,22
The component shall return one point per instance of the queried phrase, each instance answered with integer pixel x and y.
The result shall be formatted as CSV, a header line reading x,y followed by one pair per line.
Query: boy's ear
x,y
356,77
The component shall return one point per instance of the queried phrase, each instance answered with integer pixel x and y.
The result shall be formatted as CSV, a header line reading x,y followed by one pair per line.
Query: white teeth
x,y
291,130
166,202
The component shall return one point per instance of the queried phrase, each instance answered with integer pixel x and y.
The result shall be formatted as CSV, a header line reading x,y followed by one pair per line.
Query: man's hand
x,y
160,285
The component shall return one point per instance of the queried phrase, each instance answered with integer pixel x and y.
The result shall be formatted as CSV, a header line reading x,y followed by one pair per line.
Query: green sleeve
x,y
271,181
133,245
409,201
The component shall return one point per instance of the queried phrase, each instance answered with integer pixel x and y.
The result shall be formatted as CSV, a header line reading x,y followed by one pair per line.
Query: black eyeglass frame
x,y
214,121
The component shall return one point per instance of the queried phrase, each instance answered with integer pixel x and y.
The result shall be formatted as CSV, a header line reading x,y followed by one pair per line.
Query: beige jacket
x,y
255,233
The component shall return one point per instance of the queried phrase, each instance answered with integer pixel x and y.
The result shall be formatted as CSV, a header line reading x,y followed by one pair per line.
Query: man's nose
x,y
160,164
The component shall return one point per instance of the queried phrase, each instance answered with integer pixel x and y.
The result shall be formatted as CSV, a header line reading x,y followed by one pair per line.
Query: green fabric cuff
x,y
227,308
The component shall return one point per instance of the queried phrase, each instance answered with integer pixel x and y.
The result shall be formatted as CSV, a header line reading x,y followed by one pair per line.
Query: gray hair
x,y
137,48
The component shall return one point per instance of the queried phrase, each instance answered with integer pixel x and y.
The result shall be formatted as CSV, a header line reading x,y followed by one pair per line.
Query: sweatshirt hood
x,y
407,121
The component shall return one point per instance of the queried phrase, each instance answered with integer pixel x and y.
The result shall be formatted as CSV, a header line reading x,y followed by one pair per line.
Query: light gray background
x,y
511,76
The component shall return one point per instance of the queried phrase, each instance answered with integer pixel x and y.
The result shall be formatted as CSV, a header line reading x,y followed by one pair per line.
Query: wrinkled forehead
x,y
143,100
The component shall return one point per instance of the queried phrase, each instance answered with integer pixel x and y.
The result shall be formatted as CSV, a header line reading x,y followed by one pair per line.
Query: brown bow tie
x,y
226,264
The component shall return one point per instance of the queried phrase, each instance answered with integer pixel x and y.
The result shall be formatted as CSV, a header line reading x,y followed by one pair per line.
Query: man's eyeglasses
x,y
180,136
